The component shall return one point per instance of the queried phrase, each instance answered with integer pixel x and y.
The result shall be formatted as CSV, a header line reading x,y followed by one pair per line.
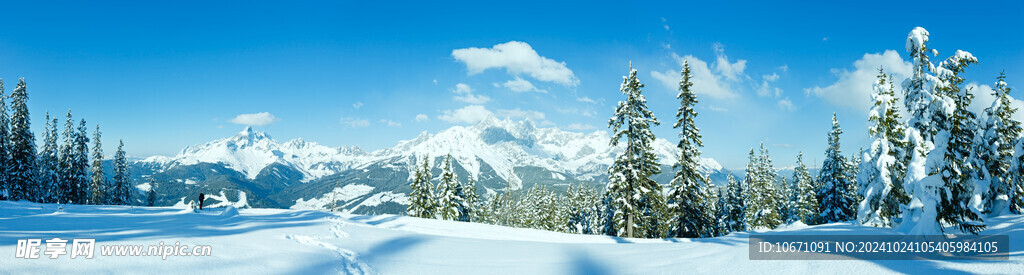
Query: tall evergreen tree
x,y
736,209
631,186
23,171
448,198
762,195
99,194
151,194
68,178
122,179
999,134
48,178
804,202
835,199
1016,179
421,201
962,171
5,147
581,209
471,201
688,203
930,104
79,164
880,177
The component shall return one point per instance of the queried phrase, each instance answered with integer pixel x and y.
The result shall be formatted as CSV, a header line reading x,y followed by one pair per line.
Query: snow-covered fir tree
x,y
421,199
80,162
836,200
448,192
1016,179
803,201
721,211
999,135
963,173
98,187
151,194
880,177
48,179
23,171
927,104
607,215
123,188
5,145
581,209
735,206
784,192
470,199
689,209
762,199
630,182
68,177
922,98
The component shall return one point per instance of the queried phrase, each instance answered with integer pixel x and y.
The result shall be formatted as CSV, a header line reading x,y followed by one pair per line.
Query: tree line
x,y
60,171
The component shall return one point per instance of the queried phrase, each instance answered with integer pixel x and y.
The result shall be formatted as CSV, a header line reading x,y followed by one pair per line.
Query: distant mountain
x,y
253,167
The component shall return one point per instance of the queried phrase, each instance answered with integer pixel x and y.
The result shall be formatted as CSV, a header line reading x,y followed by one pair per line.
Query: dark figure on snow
x,y
202,197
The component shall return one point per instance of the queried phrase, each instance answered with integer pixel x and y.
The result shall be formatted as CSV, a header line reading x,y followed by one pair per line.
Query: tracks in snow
x,y
351,262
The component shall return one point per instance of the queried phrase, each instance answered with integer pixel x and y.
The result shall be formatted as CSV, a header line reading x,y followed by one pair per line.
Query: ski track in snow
x,y
350,264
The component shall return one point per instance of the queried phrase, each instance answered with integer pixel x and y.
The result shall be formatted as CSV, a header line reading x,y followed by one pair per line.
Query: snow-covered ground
x,y
312,242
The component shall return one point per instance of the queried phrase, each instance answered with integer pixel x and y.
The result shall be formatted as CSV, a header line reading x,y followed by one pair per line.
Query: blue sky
x,y
163,76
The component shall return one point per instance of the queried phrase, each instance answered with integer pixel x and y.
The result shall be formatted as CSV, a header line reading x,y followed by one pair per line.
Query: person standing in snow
x,y
202,197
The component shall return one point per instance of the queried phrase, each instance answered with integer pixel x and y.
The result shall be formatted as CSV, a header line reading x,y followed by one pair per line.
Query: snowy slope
x,y
312,242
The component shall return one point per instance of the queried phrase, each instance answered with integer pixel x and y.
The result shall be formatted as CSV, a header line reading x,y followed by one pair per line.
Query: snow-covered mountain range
x,y
494,152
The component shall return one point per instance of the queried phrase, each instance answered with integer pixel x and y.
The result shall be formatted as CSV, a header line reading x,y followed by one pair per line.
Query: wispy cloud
x,y
256,119
391,123
422,118
468,115
465,94
355,122
521,85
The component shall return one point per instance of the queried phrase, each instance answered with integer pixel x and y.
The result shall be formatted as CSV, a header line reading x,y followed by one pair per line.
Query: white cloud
x,y
579,127
435,81
473,99
355,122
717,108
786,104
521,85
465,94
357,105
257,119
516,58
853,89
469,114
664,23
823,39
585,100
784,68
520,114
732,71
422,118
462,88
766,89
983,99
705,82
